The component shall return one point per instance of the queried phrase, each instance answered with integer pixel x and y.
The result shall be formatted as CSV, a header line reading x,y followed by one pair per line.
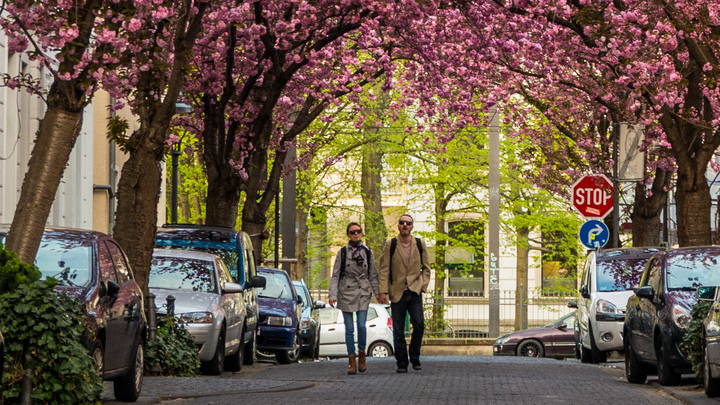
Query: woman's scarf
x,y
355,252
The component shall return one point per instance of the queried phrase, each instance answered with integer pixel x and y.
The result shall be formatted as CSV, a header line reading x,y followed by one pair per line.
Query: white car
x,y
206,301
379,332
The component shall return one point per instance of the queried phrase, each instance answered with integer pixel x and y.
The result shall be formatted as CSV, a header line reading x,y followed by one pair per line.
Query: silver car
x,y
379,332
206,300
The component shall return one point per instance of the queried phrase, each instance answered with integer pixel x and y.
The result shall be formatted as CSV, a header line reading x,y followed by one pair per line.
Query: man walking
x,y
404,274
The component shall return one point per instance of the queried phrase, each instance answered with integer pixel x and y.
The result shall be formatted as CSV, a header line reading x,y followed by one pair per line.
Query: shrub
x,y
43,333
173,353
692,342
13,272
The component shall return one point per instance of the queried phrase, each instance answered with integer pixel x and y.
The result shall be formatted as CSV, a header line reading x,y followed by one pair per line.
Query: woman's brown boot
x,y
352,368
361,363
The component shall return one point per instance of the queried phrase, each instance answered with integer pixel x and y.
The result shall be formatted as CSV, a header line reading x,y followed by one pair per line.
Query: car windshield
x,y
688,271
568,320
66,259
226,250
182,274
276,286
619,274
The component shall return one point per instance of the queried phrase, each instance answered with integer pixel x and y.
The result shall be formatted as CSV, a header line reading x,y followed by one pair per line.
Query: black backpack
x,y
343,259
393,246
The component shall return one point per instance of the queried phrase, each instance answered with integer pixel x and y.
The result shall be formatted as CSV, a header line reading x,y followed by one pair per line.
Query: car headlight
x,y
502,339
606,307
279,320
305,324
681,317
196,317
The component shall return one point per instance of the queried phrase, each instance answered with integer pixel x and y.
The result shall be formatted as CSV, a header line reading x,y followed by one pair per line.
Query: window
x,y
464,258
559,263
118,259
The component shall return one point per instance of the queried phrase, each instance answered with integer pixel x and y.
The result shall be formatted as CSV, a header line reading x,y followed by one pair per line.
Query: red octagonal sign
x,y
592,196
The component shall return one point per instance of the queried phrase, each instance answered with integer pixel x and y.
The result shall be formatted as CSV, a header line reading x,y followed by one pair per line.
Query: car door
x,y
232,304
645,312
560,341
332,332
374,326
585,300
249,293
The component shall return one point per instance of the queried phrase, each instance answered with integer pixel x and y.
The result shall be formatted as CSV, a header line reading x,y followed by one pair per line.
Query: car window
x,y
302,292
688,271
655,277
372,313
328,315
182,274
223,272
65,259
118,259
276,286
107,270
619,274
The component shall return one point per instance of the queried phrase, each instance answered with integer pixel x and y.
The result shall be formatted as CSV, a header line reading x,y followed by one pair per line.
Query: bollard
x,y
170,306
152,316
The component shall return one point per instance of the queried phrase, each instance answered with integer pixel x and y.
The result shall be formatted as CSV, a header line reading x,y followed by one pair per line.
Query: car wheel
x,y
216,365
711,384
292,355
234,362
250,350
127,388
634,370
380,349
530,348
596,355
665,372
97,353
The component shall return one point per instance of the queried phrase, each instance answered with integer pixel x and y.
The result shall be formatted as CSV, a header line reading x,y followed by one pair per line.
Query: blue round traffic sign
x,y
594,234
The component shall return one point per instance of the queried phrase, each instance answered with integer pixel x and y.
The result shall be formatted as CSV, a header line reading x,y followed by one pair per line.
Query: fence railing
x,y
468,316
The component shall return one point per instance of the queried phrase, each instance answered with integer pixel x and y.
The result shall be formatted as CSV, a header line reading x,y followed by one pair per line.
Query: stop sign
x,y
592,196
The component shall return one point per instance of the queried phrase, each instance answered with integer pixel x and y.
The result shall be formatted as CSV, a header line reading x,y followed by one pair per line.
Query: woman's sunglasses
x,y
355,232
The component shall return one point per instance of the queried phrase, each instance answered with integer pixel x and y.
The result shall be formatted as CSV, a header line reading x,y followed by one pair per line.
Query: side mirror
x,y
645,292
257,282
299,300
232,288
113,288
706,293
584,291
562,326
572,304
319,304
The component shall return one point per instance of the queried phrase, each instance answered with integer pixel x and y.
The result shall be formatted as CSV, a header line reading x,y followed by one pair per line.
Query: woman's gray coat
x,y
354,290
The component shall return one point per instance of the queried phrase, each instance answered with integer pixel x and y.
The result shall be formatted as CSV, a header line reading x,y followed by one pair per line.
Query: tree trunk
x,y
138,198
58,131
301,241
521,283
223,199
693,208
253,222
646,224
437,323
370,181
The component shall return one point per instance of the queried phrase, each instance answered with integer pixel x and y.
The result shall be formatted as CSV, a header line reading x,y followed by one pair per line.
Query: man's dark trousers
x,y
410,303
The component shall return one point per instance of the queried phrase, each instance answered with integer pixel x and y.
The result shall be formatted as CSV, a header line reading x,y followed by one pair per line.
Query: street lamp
x,y
175,152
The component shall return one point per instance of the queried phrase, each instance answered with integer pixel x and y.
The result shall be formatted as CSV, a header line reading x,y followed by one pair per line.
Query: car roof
x,y
184,254
4,228
627,253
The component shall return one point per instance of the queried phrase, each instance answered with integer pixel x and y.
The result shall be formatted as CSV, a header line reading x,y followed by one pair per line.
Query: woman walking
x,y
352,284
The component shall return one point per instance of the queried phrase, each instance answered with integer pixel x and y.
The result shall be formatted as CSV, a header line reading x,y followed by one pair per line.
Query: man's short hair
x,y
406,215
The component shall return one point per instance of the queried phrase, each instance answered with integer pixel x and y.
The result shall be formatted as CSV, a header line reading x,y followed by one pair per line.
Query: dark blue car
x,y
280,315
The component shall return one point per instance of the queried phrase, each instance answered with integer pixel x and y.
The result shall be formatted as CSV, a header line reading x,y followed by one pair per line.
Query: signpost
x,y
592,196
594,234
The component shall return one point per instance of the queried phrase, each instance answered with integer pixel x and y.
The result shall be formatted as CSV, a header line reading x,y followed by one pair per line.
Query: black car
x,y
92,268
658,314
310,323
236,250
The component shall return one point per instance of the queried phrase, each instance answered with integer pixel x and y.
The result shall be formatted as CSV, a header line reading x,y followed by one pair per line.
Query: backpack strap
x,y
343,258
420,249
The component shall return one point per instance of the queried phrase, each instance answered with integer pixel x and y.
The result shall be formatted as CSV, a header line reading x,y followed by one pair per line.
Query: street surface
x,y
443,380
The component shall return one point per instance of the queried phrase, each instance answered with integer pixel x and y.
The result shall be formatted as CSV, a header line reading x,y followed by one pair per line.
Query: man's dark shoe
x,y
401,370
417,366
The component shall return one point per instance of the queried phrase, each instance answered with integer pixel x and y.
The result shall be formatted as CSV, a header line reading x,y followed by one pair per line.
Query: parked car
x,y
2,356
92,268
206,301
379,332
236,250
658,314
310,323
555,339
711,341
280,315
606,283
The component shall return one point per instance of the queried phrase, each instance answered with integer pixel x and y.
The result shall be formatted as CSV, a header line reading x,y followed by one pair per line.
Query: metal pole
x,y
494,222
277,229
175,154
616,188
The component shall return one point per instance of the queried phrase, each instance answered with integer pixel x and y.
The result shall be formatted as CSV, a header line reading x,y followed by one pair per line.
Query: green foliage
x,y
173,353
13,272
43,333
692,342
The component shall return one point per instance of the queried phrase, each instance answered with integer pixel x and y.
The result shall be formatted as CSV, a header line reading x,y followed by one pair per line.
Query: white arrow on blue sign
x,y
594,234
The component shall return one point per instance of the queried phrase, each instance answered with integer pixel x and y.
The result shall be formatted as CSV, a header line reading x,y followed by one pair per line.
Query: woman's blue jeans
x,y
350,331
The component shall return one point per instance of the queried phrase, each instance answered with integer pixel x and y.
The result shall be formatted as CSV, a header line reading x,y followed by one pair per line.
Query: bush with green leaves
x,y
692,342
14,272
173,353
43,333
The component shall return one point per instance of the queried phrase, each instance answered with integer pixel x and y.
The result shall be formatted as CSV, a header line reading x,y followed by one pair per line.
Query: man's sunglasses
x,y
401,222
355,232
